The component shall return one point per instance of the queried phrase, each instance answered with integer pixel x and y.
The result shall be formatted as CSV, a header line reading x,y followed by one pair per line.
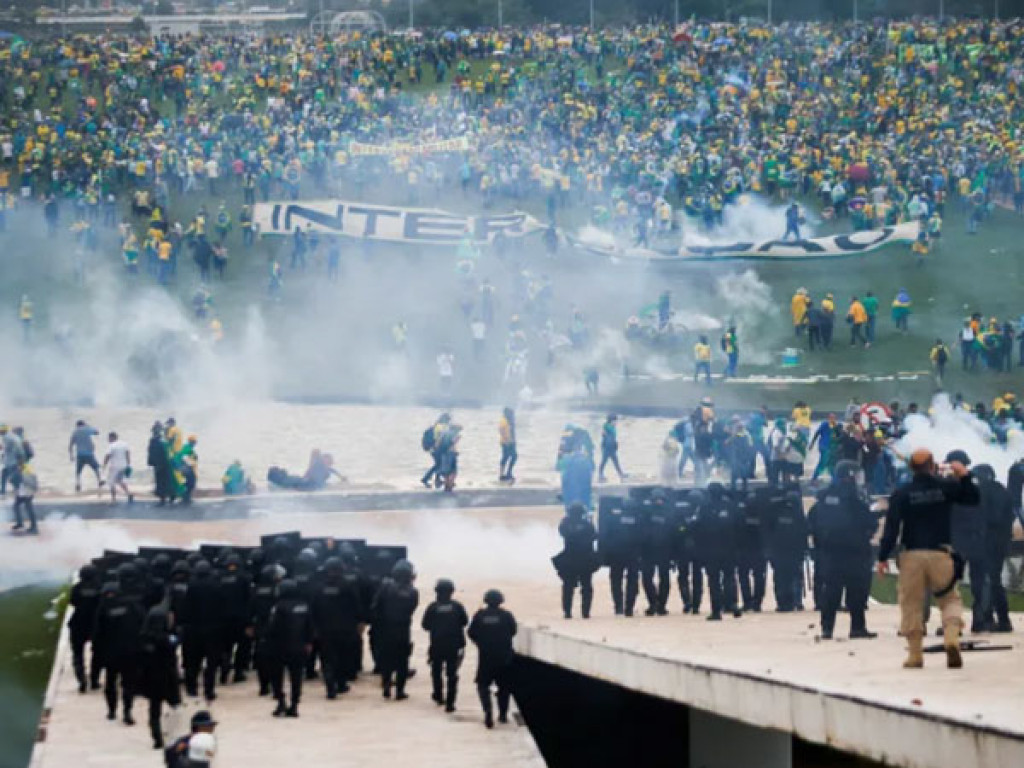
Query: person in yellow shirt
x,y
798,309
507,439
857,317
802,416
702,360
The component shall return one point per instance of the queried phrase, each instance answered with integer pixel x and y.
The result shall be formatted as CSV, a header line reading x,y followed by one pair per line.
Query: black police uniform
x,y
445,619
261,603
620,549
158,668
236,647
997,507
116,638
492,630
85,600
336,612
393,608
690,575
716,538
289,636
842,526
968,528
203,627
752,564
656,552
577,561
787,546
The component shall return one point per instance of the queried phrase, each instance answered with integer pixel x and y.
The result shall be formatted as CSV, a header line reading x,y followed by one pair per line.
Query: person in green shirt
x,y
870,304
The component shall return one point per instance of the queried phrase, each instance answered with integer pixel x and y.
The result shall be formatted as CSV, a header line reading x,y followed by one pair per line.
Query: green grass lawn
x,y
885,589
968,273
28,640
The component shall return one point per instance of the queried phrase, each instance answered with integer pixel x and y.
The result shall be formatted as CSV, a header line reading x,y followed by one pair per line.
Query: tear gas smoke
x,y
951,428
750,219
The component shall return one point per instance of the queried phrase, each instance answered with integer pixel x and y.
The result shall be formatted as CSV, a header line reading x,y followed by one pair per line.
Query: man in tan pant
x,y
919,517
924,572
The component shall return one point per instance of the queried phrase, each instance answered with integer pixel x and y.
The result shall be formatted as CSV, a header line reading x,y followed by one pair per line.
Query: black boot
x,y
281,708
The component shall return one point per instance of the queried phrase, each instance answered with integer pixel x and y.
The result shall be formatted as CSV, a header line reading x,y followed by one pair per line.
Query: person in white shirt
x,y
446,369
118,465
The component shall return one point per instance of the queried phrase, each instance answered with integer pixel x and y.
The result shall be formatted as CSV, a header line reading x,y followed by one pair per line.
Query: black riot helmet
x,y
846,472
88,573
577,510
658,496
716,493
347,553
403,572
110,589
180,571
233,562
268,575
985,473
202,569
141,566
287,589
444,588
162,565
127,575
493,598
333,566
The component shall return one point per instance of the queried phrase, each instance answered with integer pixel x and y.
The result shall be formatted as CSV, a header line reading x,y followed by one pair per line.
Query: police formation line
x,y
729,539
286,609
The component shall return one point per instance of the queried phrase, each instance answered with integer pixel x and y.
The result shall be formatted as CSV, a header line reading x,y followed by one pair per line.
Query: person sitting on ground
x,y
235,481
319,471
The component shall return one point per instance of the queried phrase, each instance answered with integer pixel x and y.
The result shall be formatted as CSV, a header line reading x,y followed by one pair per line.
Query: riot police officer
x,y
752,564
445,620
968,528
177,588
336,614
235,585
158,668
289,641
690,575
656,552
305,576
842,526
116,637
85,600
787,545
202,620
577,561
492,630
393,608
261,603
716,537
620,549
997,508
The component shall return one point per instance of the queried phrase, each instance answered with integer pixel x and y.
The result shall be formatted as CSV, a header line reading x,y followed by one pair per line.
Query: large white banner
x,y
388,223
832,246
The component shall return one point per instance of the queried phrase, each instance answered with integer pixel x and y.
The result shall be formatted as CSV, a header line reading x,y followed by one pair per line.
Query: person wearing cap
x,y
492,630
969,527
177,755
919,517
842,526
828,312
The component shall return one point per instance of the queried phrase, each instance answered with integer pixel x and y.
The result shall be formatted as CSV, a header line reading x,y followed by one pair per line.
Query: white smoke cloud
x,y
950,428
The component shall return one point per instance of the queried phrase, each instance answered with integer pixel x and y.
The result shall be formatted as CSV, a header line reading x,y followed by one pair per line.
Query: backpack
x,y
427,441
941,356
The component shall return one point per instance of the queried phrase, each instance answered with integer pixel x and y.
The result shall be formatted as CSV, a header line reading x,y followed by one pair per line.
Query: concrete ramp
x,y
769,672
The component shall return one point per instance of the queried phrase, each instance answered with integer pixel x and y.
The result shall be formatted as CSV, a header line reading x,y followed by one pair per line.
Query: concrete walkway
x,y
766,669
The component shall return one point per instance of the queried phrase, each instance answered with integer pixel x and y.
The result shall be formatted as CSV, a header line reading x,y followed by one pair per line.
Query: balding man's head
x,y
922,462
